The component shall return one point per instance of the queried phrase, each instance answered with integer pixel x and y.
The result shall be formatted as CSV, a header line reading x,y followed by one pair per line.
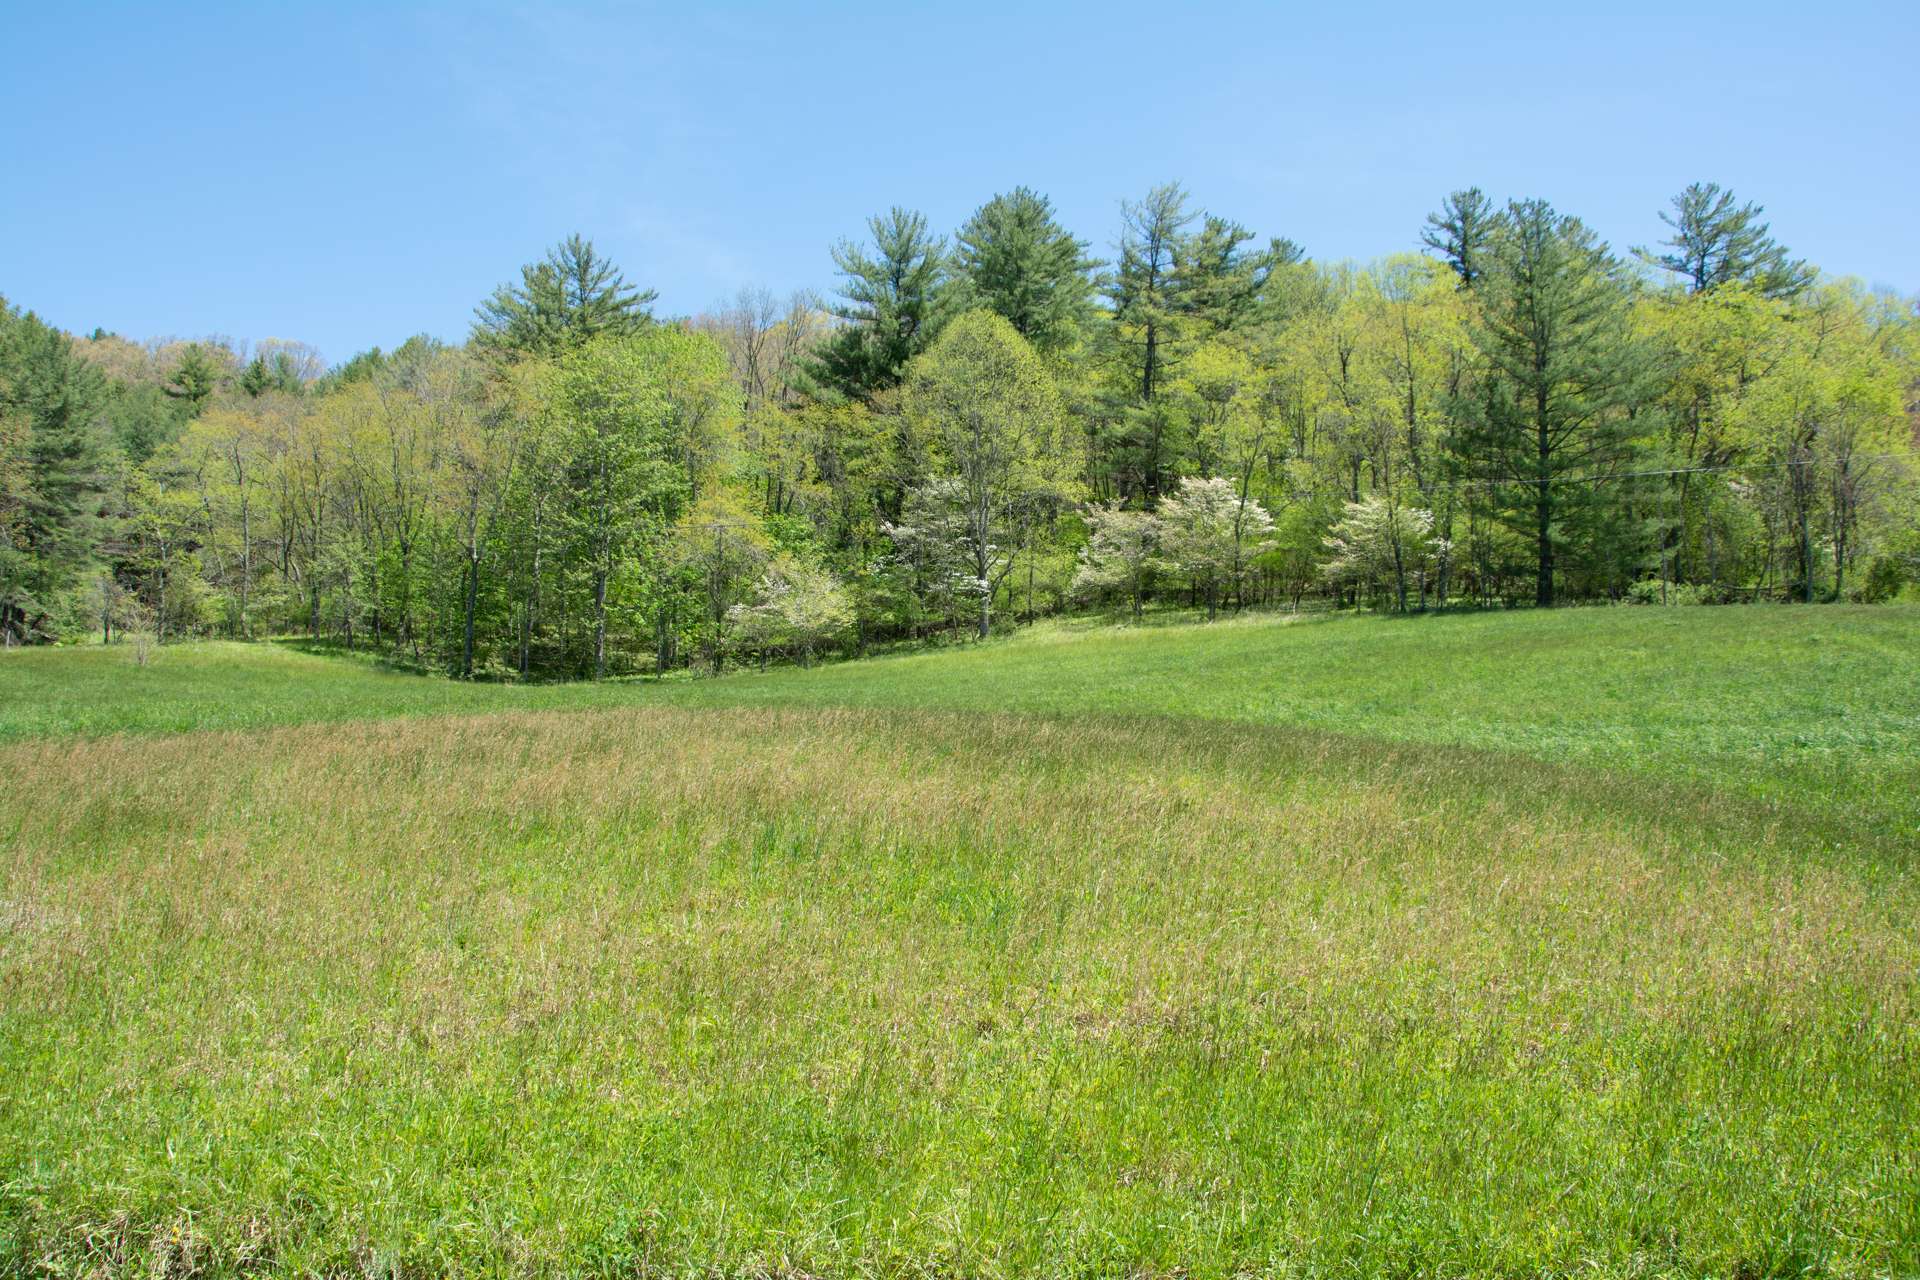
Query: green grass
x,y
1815,706
1808,707
96,690
1576,943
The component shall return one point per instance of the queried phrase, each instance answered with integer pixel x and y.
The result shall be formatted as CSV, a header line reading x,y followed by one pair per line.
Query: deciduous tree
x,y
994,426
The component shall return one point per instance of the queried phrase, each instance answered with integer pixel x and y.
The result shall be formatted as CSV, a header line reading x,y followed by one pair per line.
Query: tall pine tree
x,y
52,460
893,302
1717,242
1461,232
1218,280
1017,260
1547,426
1144,290
562,302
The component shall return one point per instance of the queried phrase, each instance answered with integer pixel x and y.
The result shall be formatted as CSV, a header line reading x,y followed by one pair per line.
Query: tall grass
x,y
837,991
659,990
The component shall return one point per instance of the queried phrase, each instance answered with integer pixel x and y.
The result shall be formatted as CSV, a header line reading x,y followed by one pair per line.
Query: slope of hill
x,y
1476,946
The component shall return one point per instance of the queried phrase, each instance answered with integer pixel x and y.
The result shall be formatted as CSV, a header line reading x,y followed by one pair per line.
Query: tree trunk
x,y
1399,563
246,565
532,602
600,622
1543,508
473,596
1806,556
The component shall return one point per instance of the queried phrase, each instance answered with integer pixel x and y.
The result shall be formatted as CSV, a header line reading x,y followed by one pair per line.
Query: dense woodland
x,y
985,429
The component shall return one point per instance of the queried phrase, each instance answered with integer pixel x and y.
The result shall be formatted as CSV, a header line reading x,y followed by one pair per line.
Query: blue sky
x,y
351,174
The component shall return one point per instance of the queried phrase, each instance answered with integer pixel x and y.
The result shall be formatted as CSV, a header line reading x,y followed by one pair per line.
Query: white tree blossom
x,y
1378,543
1209,533
1122,547
797,607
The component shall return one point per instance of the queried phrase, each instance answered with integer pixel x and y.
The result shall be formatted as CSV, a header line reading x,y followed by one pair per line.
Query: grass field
x,y
1580,943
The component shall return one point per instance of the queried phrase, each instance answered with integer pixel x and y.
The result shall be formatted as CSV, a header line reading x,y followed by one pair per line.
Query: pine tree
x,y
1144,289
52,461
1019,261
894,302
193,380
561,303
1547,424
1217,281
1461,231
1717,242
256,379
1174,287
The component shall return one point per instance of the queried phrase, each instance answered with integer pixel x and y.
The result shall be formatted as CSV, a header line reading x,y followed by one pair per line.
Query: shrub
x,y
1885,578
1653,591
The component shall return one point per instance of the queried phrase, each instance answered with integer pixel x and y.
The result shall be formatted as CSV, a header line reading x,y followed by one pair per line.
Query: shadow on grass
x,y
376,659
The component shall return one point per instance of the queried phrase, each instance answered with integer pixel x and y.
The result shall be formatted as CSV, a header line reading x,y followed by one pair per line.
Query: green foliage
x,y
195,378
1887,576
1144,289
992,426
1217,280
1716,242
1569,431
894,302
1017,260
1462,233
1548,421
561,304
273,371
52,463
362,366
623,481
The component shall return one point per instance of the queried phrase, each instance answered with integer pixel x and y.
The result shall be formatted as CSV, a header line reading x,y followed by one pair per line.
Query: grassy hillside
x,y
1815,707
1344,948
1810,706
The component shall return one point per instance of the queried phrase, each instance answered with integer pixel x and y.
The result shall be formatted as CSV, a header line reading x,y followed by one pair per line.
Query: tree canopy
x,y
982,433
563,302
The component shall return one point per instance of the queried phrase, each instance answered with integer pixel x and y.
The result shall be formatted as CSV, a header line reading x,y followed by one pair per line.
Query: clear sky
x,y
351,174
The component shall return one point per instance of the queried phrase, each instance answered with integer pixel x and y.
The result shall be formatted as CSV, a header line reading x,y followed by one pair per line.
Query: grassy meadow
x,y
1577,943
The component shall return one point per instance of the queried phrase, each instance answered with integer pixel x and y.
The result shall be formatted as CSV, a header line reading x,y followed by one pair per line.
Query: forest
x,y
983,429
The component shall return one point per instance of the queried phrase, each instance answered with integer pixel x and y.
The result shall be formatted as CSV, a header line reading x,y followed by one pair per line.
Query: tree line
x,y
1001,424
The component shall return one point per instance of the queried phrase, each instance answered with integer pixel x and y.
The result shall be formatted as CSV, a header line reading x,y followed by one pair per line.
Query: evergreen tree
x,y
139,419
361,367
193,380
1019,261
1716,242
51,471
561,303
894,303
254,379
1174,287
1460,233
1144,289
1548,425
1217,281
274,371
